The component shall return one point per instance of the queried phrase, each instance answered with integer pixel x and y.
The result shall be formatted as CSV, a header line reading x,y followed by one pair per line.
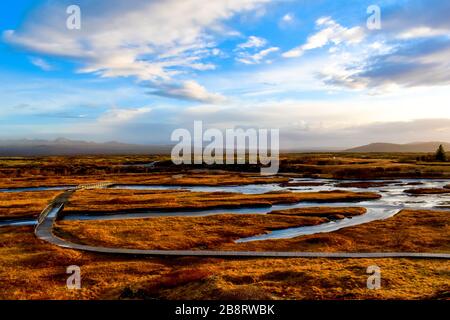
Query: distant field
x,y
20,171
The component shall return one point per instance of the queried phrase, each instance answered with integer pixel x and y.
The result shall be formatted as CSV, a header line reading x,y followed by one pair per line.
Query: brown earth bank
x,y
365,184
302,184
24,204
33,269
115,200
198,233
420,191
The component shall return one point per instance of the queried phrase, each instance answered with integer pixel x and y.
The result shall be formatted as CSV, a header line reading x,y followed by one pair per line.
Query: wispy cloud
x,y
257,57
189,90
122,116
330,32
41,63
253,42
252,52
287,20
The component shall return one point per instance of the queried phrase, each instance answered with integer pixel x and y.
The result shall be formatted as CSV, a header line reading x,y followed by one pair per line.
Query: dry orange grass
x,y
31,269
104,201
410,230
178,233
413,231
24,204
328,212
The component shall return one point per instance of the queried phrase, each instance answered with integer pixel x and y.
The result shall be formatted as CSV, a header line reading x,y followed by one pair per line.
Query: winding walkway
x,y
44,231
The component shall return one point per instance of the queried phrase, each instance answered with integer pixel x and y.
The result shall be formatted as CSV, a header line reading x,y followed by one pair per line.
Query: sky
x,y
319,71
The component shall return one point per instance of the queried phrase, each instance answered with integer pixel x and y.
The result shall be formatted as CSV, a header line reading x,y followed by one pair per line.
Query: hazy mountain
x,y
62,146
408,147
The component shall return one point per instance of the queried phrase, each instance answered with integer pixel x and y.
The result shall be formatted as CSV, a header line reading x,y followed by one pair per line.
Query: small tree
x,y
440,154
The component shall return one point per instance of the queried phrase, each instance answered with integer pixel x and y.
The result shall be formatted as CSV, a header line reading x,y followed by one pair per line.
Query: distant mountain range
x,y
61,146
408,147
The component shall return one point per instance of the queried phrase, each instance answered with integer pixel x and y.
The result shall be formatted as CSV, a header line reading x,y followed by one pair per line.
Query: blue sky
x,y
136,70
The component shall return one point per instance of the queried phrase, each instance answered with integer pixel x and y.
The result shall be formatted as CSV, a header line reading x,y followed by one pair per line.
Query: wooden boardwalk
x,y
91,186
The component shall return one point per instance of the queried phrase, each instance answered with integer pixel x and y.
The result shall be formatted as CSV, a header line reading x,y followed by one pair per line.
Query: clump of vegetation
x,y
440,154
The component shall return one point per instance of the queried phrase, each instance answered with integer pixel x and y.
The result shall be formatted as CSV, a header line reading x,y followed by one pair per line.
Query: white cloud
x,y
121,116
189,90
423,32
253,42
330,32
288,17
404,105
288,20
256,58
251,52
150,40
41,63
387,68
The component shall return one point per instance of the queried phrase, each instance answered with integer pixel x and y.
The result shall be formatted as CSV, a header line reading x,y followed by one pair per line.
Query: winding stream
x,y
393,200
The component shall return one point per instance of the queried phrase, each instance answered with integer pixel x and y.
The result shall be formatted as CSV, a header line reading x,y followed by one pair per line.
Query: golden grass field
x,y
408,231
32,269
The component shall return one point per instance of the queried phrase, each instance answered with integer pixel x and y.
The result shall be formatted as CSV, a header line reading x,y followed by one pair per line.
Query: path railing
x,y
91,186
59,200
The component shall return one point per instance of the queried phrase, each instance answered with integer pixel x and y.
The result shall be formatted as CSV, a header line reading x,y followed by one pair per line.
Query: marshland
x,y
315,204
